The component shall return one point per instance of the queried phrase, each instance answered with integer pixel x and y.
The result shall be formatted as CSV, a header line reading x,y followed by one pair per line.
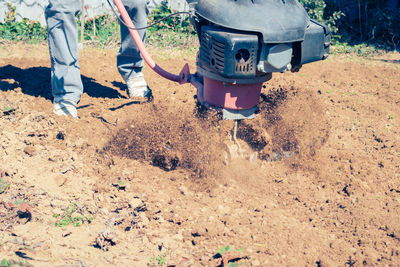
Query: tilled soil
x,y
314,181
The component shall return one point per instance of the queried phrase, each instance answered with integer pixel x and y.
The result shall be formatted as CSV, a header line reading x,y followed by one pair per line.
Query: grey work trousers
x,y
66,82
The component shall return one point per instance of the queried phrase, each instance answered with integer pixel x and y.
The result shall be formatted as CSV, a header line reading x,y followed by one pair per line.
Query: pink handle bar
x,y
147,58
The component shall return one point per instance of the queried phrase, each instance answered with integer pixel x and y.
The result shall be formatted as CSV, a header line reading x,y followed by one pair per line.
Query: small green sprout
x,y
3,186
67,218
160,260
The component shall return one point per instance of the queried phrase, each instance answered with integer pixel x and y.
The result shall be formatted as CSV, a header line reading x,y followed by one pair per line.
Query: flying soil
x,y
242,42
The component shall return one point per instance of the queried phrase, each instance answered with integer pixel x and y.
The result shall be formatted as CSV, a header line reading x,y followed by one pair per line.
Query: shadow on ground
x,y
35,81
389,60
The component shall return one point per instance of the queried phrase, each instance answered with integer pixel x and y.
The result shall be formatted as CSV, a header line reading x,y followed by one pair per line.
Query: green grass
x,y
362,50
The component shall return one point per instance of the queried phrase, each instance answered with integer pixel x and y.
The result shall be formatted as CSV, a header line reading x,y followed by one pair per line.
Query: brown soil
x,y
316,181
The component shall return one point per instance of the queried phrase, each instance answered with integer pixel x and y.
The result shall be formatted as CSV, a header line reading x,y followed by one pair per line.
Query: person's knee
x,y
136,4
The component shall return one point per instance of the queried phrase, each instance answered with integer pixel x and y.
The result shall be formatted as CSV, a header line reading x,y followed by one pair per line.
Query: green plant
x,y
316,9
102,30
3,186
178,23
4,262
363,50
160,260
230,257
8,111
25,30
173,32
13,263
69,216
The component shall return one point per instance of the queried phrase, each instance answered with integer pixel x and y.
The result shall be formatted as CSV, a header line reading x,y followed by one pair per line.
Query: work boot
x,y
65,108
137,86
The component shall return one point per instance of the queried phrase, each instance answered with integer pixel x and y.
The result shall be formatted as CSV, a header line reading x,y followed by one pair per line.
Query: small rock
x,y
100,198
105,239
135,202
60,135
60,180
178,237
256,263
29,150
68,168
183,190
143,218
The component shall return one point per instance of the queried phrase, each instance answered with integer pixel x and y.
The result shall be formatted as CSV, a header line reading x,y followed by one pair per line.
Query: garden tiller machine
x,y
242,42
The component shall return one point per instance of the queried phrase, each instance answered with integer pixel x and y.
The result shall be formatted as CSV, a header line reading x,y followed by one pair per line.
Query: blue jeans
x,y
66,82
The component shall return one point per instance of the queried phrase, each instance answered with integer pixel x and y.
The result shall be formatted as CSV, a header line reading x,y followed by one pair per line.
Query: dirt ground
x,y
316,181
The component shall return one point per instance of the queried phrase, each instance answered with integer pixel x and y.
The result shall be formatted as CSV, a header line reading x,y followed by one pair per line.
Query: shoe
x,y
137,86
65,108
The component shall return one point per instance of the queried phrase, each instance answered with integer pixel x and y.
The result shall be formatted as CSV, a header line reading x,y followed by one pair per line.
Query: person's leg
x,y
129,59
66,80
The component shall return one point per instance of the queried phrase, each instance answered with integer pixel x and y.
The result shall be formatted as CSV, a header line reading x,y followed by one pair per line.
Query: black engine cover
x,y
244,41
228,53
279,21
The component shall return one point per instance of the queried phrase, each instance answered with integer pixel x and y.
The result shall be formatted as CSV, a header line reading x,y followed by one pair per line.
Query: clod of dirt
x,y
11,214
180,262
3,173
24,208
60,135
9,111
60,180
29,150
257,139
105,240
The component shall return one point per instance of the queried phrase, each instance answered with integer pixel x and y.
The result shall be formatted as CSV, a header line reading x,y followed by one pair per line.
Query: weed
x,y
3,186
119,184
70,217
390,117
230,257
160,260
13,263
8,111
4,262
